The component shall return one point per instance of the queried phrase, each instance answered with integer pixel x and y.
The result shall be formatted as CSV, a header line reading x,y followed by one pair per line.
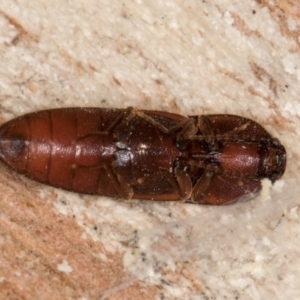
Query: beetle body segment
x,y
213,159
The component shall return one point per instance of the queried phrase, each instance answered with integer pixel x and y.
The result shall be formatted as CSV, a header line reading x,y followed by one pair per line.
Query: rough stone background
x,y
188,57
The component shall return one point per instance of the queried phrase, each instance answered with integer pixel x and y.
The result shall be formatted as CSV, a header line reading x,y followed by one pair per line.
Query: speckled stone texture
x,y
188,57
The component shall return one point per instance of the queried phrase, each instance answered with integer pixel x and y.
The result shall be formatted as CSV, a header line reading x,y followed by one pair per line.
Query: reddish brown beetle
x,y
128,153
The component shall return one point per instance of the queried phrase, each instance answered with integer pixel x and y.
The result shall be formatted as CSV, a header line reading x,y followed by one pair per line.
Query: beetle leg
x,y
188,130
120,184
123,115
201,186
179,180
116,121
205,126
122,120
216,189
142,115
183,181
185,129
239,129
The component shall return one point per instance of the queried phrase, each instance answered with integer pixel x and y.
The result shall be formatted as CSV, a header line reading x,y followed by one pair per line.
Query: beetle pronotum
x,y
130,153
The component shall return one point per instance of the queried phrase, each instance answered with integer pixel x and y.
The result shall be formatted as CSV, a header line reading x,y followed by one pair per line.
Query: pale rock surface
x,y
188,57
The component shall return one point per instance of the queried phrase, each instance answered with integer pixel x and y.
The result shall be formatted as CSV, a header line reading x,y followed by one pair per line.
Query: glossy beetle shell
x,y
212,159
